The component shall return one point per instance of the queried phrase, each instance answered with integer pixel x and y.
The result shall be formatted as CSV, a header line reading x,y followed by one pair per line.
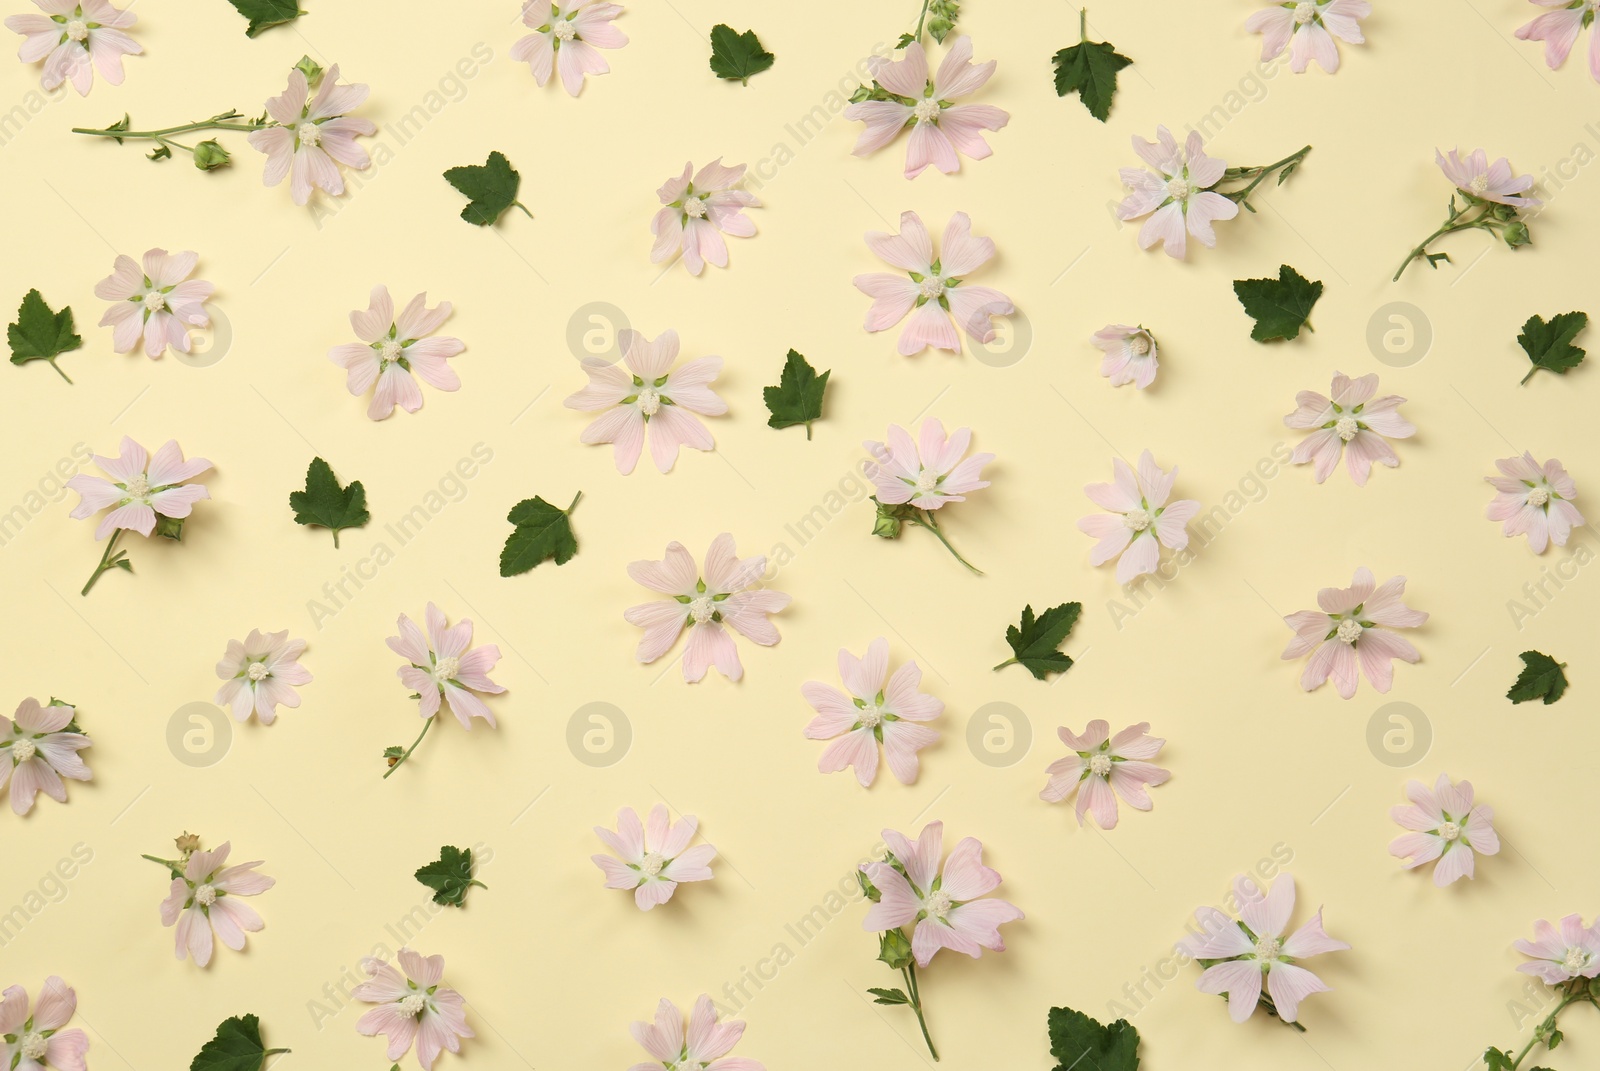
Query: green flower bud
x,y
894,949
310,68
210,155
1517,235
887,524
869,890
171,527
1504,212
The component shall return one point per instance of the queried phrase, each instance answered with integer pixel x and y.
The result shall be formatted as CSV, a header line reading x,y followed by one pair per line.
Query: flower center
x,y
391,349
694,207
205,895
938,904
138,487
1136,519
871,715
1346,427
1349,630
1139,344
931,287
78,30
1100,765
154,301
927,110
1450,831
447,668
1268,949
310,135
564,30
1538,496
411,1005
34,1044
1179,189
649,401
651,864
1304,13
927,482
23,750
1576,960
701,609
258,671
1479,184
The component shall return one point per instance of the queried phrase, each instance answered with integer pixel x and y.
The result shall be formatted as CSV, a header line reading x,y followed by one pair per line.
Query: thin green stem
x,y
173,866
1576,991
910,973
59,372
921,19
924,519
1240,197
158,135
1482,220
524,208
575,500
106,561
402,760
1083,25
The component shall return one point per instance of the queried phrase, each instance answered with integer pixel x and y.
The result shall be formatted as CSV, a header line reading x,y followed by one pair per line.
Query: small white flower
x,y
261,673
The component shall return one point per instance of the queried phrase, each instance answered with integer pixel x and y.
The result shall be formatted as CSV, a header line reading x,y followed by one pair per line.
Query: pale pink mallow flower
x,y
205,900
565,37
700,207
649,395
1177,194
654,857
1534,500
1352,423
141,488
443,666
1446,825
928,472
35,1042
707,603
879,710
1560,955
393,349
73,37
1130,355
1307,29
261,674
940,129
704,1046
1559,28
1103,767
1486,181
933,290
951,909
1141,521
156,301
309,140
1253,948
1345,636
413,1006
39,746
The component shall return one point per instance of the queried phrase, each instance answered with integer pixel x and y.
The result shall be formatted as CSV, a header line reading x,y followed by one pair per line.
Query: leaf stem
x,y
1083,25
107,562
214,123
921,19
177,871
1482,220
524,207
57,367
924,519
575,500
1240,197
402,760
1007,662
910,973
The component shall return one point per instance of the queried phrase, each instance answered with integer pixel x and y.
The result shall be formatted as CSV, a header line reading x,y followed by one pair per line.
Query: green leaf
x,y
542,532
889,996
40,334
450,876
797,399
1090,68
1549,345
1082,1044
1033,646
1541,678
1281,306
324,503
737,55
491,188
265,14
237,1047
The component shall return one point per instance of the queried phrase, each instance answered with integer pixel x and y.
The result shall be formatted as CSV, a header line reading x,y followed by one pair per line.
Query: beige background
x,y
554,966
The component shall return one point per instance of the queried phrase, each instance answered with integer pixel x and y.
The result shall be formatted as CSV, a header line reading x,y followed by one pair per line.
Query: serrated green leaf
x,y
1033,645
40,334
889,996
736,56
1549,344
797,399
1090,68
450,876
491,187
1541,678
1083,1044
236,1047
325,504
1281,306
543,532
265,14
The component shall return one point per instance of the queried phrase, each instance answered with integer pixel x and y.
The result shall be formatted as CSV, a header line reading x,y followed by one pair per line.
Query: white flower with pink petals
x,y
951,908
1141,521
444,667
261,674
1103,767
142,490
565,38
1350,634
1130,355
879,710
1560,955
929,472
73,37
393,349
654,857
1307,29
933,290
35,1042
707,603
1177,194
649,395
1534,500
204,902
1445,825
1242,953
1559,28
1487,182
413,1006
1352,423
704,1046
39,746
700,207
156,301
906,97
308,140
